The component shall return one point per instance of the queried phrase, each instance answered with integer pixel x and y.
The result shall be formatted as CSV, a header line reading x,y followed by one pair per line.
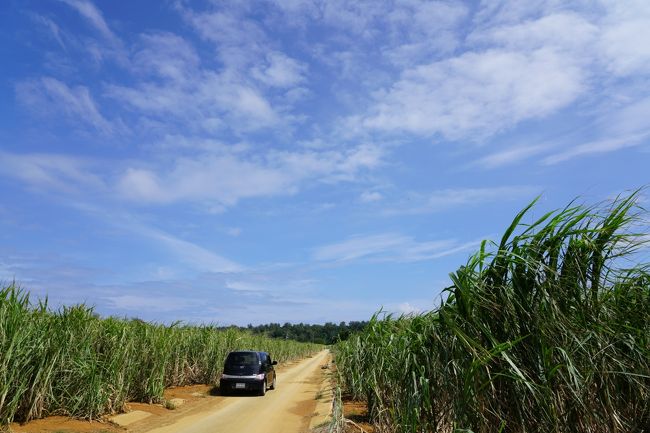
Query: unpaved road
x,y
287,409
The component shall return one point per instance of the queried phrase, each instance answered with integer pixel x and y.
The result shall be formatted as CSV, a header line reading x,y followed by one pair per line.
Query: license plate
x,y
240,385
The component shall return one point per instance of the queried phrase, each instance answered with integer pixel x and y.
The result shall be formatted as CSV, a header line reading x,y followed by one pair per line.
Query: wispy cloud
x,y
52,97
239,40
233,231
403,32
389,247
596,147
245,286
519,63
94,17
204,100
435,201
212,179
194,256
370,196
562,30
620,125
509,156
47,172
253,88
165,55
52,27
216,178
170,86
159,304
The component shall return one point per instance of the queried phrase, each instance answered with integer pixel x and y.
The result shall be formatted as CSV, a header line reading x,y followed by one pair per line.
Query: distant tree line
x,y
329,333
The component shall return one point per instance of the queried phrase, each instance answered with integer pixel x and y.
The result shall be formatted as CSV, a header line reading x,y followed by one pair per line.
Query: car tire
x,y
273,383
263,388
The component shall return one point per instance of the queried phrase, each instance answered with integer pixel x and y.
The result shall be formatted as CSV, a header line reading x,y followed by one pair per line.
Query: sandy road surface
x,y
287,409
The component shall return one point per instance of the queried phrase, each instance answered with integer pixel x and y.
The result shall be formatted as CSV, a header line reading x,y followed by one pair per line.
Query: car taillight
x,y
259,376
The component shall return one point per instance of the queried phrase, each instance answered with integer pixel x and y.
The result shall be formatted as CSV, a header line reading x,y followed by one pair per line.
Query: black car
x,y
248,371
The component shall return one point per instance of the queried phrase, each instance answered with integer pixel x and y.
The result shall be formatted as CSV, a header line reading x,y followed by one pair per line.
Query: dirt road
x,y
287,409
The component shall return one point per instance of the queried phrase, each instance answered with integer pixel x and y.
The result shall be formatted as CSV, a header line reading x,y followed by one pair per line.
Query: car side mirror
x,y
274,363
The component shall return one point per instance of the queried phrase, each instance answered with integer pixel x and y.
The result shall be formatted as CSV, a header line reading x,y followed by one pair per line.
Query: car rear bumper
x,y
240,384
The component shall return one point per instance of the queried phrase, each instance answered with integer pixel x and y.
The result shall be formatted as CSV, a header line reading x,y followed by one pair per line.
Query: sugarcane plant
x,y
546,330
72,362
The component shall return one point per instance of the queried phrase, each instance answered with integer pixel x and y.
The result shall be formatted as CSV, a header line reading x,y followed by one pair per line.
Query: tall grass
x,y
546,331
71,362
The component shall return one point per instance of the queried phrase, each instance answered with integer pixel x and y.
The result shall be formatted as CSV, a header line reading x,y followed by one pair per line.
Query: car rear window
x,y
242,358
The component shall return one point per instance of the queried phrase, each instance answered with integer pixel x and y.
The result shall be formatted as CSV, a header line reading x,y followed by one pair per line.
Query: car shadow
x,y
215,391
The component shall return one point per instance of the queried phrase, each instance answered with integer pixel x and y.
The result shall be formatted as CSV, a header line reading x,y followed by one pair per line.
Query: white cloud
x,y
201,101
626,30
166,55
139,183
420,30
280,71
370,196
49,96
612,37
407,308
564,31
493,12
248,102
217,178
369,35
246,286
329,165
172,86
389,247
239,41
407,21
520,61
212,178
476,94
233,231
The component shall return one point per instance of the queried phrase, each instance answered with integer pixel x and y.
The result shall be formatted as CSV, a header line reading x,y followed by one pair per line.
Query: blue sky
x,y
300,160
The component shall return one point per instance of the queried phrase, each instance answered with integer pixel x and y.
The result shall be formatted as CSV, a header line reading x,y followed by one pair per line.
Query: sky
x,y
262,161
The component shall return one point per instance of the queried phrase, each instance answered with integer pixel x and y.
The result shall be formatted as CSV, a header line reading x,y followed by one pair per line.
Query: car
x,y
248,370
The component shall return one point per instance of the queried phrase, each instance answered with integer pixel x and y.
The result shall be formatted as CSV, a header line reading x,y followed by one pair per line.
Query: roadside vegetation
x,y
72,362
546,331
328,333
